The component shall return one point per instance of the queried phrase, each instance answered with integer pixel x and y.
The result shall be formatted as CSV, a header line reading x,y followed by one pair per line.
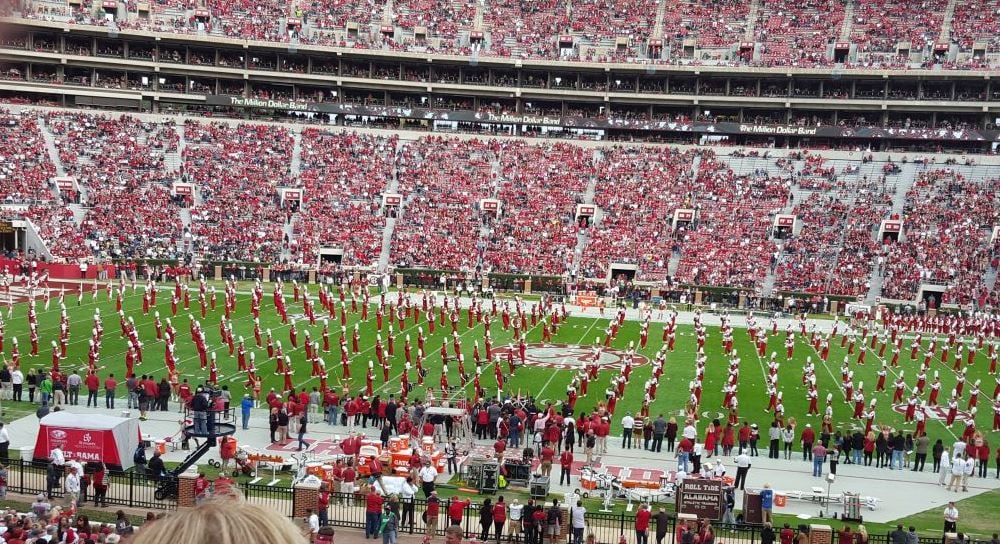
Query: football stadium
x,y
276,270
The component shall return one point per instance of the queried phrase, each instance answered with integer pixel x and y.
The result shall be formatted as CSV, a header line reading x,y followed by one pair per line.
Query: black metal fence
x,y
124,489
135,490
278,499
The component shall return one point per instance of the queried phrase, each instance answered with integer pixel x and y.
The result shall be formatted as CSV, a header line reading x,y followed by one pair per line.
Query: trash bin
x,y
26,452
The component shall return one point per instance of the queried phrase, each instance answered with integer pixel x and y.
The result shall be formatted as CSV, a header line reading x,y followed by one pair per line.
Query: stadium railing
x,y
131,489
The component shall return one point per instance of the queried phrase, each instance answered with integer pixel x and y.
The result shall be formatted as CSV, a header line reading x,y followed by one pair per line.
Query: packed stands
x,y
638,191
975,21
835,249
530,27
335,14
729,243
237,170
880,26
25,168
787,33
250,19
948,222
714,24
442,181
797,32
119,163
441,18
344,176
540,188
598,20
26,172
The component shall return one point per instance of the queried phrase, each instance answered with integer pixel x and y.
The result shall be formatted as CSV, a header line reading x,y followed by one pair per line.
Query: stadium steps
x,y
383,257
390,222
389,14
904,180
50,146
674,263
874,286
767,287
583,237
661,11
79,213
845,27
478,19
748,35
295,165
949,16
990,278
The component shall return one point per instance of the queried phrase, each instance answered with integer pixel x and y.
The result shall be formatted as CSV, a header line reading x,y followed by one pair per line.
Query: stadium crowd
x,y
238,170
787,33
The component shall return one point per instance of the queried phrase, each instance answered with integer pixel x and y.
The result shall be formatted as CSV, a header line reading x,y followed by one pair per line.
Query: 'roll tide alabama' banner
x,y
79,444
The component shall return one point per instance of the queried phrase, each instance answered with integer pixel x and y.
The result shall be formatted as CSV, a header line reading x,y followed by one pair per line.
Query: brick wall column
x,y
185,489
305,497
820,534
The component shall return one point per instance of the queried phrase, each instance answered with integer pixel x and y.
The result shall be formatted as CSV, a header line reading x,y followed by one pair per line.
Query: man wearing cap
x,y
245,405
662,521
431,514
808,438
628,424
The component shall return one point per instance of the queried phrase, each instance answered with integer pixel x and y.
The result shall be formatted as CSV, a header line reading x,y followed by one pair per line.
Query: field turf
x,y
542,383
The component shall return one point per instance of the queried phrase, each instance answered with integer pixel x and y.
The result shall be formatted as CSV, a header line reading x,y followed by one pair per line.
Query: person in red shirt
x,y
499,516
808,437
200,488
456,508
110,384
499,447
844,536
373,513
433,511
787,535
93,383
546,456
323,504
565,464
642,518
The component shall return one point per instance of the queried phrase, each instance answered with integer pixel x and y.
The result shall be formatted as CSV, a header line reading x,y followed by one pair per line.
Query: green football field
x,y
539,381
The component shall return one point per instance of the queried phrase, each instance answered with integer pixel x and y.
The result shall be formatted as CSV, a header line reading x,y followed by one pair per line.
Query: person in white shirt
x,y
957,472
514,513
970,469
742,468
628,423
4,442
951,518
17,379
427,474
72,488
958,448
690,432
577,514
312,519
407,492
720,469
58,457
945,470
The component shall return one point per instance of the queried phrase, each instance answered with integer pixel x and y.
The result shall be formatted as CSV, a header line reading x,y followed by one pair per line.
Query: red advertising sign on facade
x,y
81,444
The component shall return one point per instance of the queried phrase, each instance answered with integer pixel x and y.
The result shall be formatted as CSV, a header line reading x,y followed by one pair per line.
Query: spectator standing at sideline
x,y
951,518
642,518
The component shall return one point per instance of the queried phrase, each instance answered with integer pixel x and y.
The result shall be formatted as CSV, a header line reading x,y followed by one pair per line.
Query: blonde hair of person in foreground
x,y
230,520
